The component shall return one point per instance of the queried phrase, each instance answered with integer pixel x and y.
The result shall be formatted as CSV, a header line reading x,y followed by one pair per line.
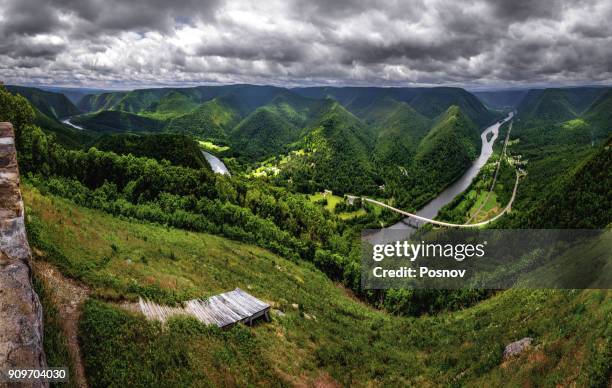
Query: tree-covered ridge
x,y
178,149
582,199
264,133
449,147
117,121
599,113
398,129
557,104
335,154
501,99
52,105
559,155
430,102
98,102
213,119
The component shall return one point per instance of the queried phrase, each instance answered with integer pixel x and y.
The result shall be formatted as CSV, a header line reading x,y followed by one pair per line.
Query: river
x,y
216,164
69,123
403,230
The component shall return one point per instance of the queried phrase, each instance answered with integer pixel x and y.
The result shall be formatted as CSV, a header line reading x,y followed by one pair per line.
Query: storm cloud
x,y
113,43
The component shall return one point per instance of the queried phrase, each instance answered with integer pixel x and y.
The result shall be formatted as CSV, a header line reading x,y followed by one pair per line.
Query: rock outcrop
x,y
517,347
21,327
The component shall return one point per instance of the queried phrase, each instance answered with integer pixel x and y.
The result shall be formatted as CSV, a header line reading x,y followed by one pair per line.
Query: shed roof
x,y
222,310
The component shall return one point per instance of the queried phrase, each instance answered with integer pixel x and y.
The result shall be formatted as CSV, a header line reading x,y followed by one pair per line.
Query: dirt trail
x,y
68,296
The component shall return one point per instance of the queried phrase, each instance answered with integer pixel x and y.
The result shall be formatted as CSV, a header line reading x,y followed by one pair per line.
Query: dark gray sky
x,y
138,43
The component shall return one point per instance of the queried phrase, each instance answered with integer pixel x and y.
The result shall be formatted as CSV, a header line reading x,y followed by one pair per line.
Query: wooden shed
x,y
223,310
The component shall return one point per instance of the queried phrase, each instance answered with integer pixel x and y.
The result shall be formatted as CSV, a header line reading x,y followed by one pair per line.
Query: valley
x,y
174,194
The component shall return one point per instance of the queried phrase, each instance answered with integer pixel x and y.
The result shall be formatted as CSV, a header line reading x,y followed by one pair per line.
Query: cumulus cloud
x,y
115,43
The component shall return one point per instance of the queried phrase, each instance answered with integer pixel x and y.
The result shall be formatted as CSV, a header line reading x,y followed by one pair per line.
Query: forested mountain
x,y
557,104
501,99
599,113
558,145
264,133
449,148
430,102
371,134
98,102
335,154
213,119
580,200
178,149
398,129
130,227
53,105
73,94
117,121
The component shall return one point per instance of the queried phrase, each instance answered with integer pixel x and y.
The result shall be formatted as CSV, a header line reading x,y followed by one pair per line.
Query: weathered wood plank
x,y
221,310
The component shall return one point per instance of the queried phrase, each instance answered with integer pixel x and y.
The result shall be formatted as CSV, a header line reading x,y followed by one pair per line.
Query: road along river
x,y
216,164
430,211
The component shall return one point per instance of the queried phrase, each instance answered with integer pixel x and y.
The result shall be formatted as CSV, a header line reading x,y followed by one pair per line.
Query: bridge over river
x,y
428,213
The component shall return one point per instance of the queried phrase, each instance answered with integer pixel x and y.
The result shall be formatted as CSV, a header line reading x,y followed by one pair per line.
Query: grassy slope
x,y
330,336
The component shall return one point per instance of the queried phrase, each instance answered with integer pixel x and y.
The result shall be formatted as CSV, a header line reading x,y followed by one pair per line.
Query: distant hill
x,y
98,102
399,129
212,119
53,105
448,149
263,133
178,149
501,99
73,94
117,121
336,154
430,102
436,101
557,104
50,108
600,113
172,104
581,200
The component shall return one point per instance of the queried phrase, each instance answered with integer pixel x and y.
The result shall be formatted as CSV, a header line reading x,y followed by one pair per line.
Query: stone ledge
x,y
21,326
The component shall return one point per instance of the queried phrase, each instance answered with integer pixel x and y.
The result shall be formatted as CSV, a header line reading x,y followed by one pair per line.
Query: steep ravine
x,y
21,326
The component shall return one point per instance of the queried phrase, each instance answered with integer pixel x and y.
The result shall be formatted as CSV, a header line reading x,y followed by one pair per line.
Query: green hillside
x,y
211,120
326,336
399,129
546,105
582,199
117,121
436,101
430,102
138,101
172,104
336,154
600,113
53,105
177,149
264,133
450,146
558,104
98,102
501,99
